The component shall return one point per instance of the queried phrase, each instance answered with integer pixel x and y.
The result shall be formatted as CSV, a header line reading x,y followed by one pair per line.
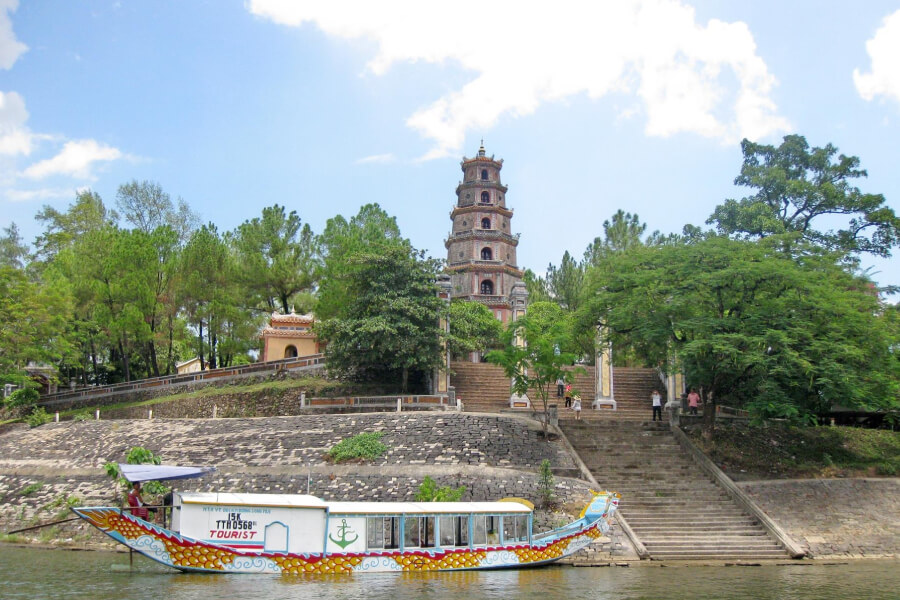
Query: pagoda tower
x,y
481,250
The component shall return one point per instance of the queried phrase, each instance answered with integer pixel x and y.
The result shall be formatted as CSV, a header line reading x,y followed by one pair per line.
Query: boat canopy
x,y
135,473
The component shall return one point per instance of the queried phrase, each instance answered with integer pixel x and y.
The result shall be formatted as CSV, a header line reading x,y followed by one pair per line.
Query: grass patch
x,y
31,488
365,446
313,386
783,451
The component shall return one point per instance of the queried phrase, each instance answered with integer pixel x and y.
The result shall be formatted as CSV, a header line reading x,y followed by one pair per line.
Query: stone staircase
x,y
676,511
483,387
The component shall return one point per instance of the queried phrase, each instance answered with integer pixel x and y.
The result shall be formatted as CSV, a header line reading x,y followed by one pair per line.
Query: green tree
x,y
148,207
32,323
371,231
473,328
565,282
536,286
797,189
752,325
277,256
531,353
13,251
63,229
620,234
389,329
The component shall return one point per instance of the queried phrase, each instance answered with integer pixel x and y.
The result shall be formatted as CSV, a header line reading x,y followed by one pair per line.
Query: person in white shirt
x,y
657,405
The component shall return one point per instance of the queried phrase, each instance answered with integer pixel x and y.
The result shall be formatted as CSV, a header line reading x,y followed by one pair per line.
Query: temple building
x,y
481,249
288,336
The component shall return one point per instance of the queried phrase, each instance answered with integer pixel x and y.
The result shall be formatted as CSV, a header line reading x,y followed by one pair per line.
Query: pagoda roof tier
x,y
474,206
493,301
480,183
482,234
485,266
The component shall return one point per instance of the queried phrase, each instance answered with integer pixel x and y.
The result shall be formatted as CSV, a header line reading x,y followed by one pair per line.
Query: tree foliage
x,y
798,189
388,330
473,328
752,325
531,353
277,256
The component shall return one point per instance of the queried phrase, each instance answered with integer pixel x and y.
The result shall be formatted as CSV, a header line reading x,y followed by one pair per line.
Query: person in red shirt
x,y
693,400
136,502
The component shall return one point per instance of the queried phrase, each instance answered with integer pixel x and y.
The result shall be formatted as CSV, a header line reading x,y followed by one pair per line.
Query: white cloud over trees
x,y
683,76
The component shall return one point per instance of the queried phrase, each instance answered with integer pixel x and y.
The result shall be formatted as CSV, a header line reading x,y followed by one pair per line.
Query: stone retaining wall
x,y
835,518
492,456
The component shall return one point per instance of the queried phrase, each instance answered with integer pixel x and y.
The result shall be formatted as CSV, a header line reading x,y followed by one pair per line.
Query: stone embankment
x,y
492,456
835,518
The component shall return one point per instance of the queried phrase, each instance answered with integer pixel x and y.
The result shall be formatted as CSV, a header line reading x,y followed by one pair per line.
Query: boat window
x,y
515,529
383,532
419,532
454,531
485,530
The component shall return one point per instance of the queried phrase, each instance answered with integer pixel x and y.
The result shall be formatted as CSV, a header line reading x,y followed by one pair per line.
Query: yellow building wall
x,y
275,347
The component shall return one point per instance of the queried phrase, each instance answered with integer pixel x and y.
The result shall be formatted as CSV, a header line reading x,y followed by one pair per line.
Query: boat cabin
x,y
305,524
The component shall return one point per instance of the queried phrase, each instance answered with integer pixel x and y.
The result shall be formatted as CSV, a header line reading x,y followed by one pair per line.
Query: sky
x,y
325,106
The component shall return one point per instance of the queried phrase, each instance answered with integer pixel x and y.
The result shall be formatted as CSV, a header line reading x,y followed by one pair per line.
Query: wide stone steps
x,y
673,507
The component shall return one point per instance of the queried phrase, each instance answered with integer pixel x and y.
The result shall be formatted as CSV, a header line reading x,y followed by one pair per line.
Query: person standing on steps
x,y
656,399
568,395
560,387
576,406
693,400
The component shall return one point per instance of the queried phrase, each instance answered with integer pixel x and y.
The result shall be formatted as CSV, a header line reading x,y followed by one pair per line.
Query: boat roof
x,y
355,508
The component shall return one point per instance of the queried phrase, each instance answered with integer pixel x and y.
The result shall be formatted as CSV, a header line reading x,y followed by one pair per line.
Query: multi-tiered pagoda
x,y
481,250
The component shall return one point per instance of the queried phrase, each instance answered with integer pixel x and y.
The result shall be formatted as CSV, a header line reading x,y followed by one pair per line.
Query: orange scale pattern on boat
x,y
332,564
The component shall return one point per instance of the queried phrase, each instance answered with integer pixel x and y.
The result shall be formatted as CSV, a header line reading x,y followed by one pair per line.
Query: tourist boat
x,y
294,533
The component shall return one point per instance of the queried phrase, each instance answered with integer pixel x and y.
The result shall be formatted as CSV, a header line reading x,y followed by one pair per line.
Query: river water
x,y
35,574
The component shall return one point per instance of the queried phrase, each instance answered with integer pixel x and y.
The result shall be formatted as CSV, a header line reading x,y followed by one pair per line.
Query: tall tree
x,y
620,234
751,324
33,322
277,255
371,231
798,189
148,207
63,229
530,352
388,330
13,251
565,282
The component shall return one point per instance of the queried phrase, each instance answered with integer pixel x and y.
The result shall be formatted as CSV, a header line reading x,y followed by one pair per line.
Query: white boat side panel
x,y
245,527
346,534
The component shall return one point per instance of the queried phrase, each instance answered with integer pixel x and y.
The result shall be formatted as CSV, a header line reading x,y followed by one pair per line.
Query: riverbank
x,y
46,469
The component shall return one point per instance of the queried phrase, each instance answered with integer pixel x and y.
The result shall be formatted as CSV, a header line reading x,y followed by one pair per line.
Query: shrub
x,y
430,492
546,484
23,397
138,455
366,446
81,416
38,417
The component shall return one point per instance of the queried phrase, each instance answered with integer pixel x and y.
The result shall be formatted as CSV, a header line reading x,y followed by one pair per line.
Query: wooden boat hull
x,y
187,554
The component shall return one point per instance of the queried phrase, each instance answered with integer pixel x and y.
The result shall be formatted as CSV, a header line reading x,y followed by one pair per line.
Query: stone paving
x,y
835,518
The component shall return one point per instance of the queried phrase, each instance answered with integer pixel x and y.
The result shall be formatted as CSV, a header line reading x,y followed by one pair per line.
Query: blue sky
x,y
322,107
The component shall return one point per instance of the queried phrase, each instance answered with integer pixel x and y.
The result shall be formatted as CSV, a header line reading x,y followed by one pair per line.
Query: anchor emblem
x,y
343,530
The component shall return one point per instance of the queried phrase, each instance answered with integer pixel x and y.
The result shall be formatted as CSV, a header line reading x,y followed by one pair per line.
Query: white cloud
x,y
15,138
10,48
75,160
377,158
884,50
14,195
688,77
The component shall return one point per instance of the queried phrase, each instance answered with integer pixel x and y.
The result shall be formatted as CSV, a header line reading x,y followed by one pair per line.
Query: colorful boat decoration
x,y
293,534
